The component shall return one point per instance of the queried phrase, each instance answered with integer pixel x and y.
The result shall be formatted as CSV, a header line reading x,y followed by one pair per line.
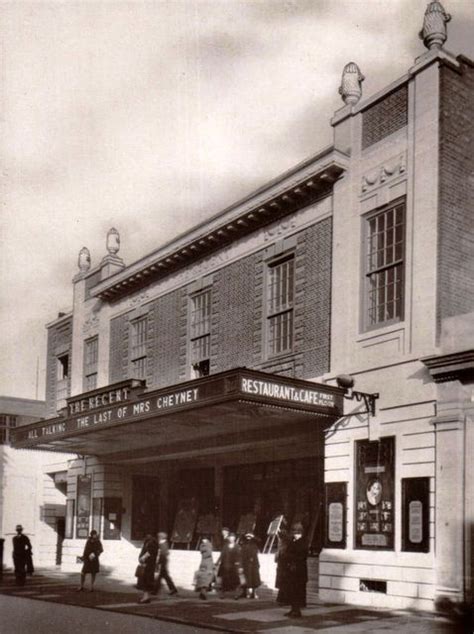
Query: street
x,y
22,616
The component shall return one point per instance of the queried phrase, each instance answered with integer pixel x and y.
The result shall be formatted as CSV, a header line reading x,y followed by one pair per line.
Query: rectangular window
x,y
138,351
385,266
7,422
280,299
91,356
200,333
62,380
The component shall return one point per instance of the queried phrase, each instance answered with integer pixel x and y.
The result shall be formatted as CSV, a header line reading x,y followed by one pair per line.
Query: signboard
x,y
335,534
84,483
69,530
415,514
374,499
123,403
96,514
185,522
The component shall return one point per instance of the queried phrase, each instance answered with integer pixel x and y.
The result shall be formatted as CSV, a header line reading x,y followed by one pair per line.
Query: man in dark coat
x,y
90,557
147,558
295,572
162,565
22,556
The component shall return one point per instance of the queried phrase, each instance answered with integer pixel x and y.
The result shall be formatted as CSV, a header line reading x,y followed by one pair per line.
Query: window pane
x,y
385,248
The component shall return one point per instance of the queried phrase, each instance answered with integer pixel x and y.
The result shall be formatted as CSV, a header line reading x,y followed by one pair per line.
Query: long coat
x,y
91,564
150,547
205,573
250,563
230,563
22,552
294,573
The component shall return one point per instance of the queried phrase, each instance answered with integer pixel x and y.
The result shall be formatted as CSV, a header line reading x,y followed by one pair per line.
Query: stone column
x,y
450,501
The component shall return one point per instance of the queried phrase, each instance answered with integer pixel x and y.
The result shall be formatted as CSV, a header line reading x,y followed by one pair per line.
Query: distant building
x,y
212,381
28,495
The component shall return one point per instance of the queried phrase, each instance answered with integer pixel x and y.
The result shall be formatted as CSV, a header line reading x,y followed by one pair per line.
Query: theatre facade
x,y
302,355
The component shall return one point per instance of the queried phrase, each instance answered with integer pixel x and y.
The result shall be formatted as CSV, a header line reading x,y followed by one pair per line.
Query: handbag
x,y
140,571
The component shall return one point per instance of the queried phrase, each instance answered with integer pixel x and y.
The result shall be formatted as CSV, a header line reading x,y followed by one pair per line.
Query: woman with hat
x,y
295,573
251,567
90,557
22,556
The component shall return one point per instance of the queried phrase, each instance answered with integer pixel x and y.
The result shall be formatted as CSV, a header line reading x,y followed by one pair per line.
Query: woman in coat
x,y
229,566
90,557
147,557
294,572
250,566
205,573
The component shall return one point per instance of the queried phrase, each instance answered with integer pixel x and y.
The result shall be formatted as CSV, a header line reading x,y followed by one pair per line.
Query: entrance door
x,y
145,506
60,533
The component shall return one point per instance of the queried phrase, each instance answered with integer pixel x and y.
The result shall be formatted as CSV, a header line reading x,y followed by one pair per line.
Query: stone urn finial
x,y
84,260
351,84
113,241
434,32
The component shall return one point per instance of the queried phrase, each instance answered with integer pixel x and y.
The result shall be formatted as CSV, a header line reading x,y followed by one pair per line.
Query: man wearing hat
x,y
22,556
295,571
162,565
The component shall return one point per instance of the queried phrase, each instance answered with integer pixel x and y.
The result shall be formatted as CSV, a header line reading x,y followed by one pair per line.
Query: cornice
x,y
305,184
455,366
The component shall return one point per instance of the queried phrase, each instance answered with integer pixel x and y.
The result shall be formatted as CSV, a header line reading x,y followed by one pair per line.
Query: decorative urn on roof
x,y
84,260
113,241
434,32
351,84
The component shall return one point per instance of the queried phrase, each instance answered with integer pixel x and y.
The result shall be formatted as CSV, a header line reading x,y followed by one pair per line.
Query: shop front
x,y
243,449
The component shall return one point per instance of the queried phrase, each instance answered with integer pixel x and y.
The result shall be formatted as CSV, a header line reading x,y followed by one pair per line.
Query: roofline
x,y
58,320
305,183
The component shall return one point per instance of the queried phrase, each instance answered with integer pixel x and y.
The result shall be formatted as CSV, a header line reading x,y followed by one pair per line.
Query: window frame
x,y
367,274
200,366
90,369
273,263
138,354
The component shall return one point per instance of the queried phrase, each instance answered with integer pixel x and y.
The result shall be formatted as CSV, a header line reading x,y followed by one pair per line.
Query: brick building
x,y
305,353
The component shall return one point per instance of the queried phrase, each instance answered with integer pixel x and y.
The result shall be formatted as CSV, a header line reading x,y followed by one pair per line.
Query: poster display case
x,y
375,494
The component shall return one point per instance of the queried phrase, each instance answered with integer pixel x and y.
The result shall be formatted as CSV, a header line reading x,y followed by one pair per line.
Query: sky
x,y
152,116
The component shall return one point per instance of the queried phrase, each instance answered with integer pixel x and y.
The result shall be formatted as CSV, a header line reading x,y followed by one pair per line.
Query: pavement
x,y
260,616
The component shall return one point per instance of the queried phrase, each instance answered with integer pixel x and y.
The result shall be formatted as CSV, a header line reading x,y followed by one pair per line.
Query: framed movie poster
x,y
84,483
112,518
415,514
335,533
97,514
374,494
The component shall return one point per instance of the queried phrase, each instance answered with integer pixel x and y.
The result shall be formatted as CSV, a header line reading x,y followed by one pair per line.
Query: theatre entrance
x,y
260,492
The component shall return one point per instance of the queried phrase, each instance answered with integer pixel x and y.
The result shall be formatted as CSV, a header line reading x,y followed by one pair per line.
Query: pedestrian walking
x,y
162,566
22,556
250,566
205,574
146,570
92,551
283,539
230,566
295,573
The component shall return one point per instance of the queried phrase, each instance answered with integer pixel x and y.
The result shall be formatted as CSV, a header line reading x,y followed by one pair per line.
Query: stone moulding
x,y
384,173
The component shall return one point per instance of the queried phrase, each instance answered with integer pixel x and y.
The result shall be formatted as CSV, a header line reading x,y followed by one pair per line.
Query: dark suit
x,y
22,559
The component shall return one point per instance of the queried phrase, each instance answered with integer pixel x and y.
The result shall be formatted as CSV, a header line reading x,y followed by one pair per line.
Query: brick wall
x,y
456,174
59,343
237,319
118,359
167,339
385,117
